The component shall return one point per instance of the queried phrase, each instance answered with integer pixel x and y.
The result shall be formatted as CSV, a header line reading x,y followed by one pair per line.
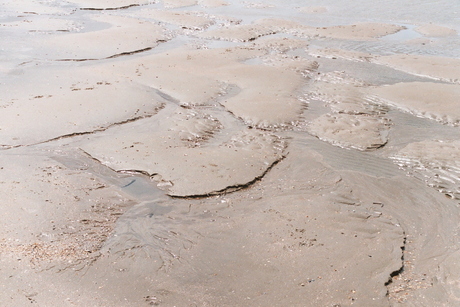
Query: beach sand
x,y
229,153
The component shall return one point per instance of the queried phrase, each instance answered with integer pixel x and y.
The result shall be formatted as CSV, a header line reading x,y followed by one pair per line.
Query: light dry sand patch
x,y
189,20
178,156
433,30
435,101
125,35
440,68
33,111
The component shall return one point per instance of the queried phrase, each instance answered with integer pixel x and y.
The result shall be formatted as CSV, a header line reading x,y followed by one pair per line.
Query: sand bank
x,y
435,30
440,68
432,100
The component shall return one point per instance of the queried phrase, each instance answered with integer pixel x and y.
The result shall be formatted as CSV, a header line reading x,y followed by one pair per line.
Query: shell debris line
x,y
229,153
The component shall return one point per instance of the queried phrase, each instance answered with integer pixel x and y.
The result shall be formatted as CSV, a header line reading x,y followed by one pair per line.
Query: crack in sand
x,y
233,188
108,8
399,271
129,120
226,190
115,55
70,135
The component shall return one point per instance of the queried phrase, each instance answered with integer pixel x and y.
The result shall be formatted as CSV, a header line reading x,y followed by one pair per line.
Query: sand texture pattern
x,y
229,153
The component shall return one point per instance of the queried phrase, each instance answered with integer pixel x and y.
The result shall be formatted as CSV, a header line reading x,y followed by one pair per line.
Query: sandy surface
x,y
445,69
437,101
229,153
435,30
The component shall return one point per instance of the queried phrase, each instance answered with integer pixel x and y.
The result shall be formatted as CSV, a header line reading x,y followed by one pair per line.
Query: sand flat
x,y
440,68
93,103
208,153
257,85
436,101
264,99
361,31
137,35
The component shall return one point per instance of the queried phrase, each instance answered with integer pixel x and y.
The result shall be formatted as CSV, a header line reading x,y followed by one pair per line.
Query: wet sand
x,y
229,153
